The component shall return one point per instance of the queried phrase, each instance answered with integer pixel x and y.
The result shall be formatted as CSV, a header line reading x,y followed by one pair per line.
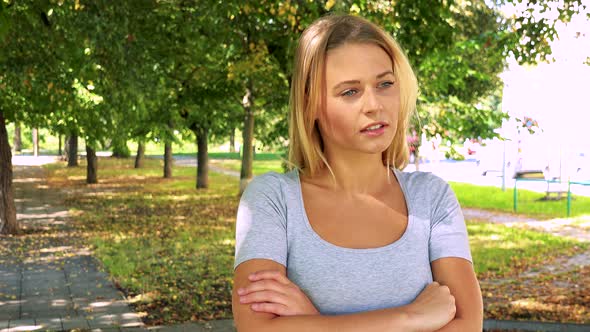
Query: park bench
x,y
556,189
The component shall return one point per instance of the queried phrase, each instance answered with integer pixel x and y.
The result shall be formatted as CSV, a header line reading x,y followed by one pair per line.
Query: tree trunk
x,y
202,158
8,222
72,151
66,151
248,135
18,141
59,144
232,140
168,160
140,154
35,142
91,165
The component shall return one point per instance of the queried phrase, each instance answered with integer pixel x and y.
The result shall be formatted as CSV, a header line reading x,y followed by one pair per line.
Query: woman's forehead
x,y
357,61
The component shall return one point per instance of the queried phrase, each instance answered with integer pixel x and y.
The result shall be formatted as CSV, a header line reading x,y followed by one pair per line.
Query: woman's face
x,y
360,92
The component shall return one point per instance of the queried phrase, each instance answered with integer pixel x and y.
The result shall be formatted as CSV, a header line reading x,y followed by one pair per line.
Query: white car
x,y
491,156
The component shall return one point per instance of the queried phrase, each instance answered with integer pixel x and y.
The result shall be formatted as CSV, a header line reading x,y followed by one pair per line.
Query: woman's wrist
x,y
403,319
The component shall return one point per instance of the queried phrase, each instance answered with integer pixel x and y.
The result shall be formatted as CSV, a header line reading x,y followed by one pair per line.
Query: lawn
x,y
170,247
529,202
501,251
258,166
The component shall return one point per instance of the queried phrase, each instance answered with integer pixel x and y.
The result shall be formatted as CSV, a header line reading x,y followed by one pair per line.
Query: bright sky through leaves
x,y
555,94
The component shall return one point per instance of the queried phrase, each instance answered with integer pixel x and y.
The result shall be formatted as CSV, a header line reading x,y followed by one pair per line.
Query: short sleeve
x,y
261,225
448,232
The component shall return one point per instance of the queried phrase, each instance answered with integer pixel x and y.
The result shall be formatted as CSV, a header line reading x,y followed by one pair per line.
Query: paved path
x,y
576,228
184,161
47,279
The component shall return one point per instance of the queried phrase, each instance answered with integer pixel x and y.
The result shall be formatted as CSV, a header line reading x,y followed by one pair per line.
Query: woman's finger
x,y
273,308
261,285
264,296
270,274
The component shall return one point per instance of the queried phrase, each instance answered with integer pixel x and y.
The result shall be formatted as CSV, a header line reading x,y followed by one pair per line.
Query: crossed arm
x,y
268,301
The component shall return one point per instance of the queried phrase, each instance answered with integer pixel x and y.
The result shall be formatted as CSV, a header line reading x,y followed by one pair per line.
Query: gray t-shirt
x,y
272,224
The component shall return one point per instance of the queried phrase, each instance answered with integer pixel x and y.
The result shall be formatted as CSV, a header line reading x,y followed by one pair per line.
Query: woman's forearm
x,y
392,319
461,325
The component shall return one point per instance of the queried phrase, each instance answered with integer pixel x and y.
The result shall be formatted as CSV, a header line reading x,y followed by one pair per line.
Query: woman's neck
x,y
361,174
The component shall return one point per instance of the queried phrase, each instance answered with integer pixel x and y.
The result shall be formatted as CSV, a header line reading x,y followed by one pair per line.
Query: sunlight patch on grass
x,y
499,249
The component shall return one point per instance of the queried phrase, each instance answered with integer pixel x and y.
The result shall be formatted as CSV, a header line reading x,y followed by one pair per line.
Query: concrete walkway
x,y
575,228
184,161
47,279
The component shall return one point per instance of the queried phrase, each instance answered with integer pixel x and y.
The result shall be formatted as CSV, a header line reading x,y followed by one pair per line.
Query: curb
x,y
492,324
224,325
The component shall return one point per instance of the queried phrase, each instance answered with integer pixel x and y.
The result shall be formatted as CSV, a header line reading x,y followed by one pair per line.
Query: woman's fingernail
x,y
242,300
241,291
255,306
252,276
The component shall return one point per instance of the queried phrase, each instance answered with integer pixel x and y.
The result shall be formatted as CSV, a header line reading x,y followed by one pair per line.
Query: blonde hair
x,y
325,34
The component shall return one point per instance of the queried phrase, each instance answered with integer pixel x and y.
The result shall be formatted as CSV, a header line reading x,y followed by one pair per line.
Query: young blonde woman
x,y
345,241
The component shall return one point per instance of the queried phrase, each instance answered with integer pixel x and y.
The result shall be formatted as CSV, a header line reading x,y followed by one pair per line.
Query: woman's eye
x,y
349,93
386,84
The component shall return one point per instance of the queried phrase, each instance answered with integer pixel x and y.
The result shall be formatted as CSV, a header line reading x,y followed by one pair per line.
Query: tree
x,y
35,142
30,83
160,69
139,156
72,150
8,223
262,41
188,51
91,165
18,141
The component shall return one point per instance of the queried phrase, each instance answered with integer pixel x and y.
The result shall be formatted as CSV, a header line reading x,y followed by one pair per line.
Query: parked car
x,y
492,153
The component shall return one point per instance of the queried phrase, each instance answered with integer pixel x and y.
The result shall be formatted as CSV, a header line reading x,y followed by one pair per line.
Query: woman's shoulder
x,y
427,192
424,190
421,180
272,184
273,178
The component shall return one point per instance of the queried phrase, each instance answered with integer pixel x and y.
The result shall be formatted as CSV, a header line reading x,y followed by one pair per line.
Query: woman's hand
x,y
272,292
433,308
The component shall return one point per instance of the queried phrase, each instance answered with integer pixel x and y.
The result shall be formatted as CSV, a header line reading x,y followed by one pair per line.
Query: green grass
x,y
237,156
529,202
500,250
258,166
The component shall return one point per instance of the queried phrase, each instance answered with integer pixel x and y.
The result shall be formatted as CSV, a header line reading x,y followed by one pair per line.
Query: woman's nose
x,y
371,102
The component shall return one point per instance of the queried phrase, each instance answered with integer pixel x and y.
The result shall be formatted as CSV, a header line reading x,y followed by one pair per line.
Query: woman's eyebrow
x,y
385,73
345,83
